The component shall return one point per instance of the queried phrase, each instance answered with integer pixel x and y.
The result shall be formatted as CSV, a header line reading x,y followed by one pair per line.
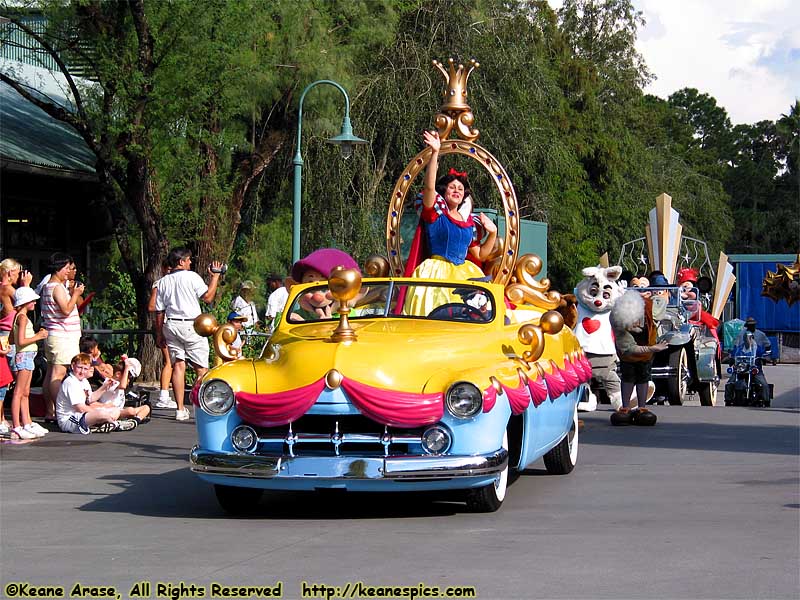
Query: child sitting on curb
x,y
128,368
78,409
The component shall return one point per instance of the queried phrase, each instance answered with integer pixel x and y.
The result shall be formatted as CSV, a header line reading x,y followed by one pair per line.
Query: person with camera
x,y
61,296
177,305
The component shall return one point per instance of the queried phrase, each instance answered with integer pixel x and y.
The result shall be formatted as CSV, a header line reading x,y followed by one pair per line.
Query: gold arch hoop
x,y
510,247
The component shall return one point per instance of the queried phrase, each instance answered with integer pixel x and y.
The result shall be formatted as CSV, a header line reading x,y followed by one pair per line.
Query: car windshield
x,y
671,295
460,302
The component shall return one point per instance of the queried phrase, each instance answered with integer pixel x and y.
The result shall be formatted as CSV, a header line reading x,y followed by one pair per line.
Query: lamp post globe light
x,y
345,140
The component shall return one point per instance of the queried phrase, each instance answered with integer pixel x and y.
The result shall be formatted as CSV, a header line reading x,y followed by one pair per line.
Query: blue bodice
x,y
449,239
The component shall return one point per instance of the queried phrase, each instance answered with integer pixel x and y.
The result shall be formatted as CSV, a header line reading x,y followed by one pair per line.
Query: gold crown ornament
x,y
455,112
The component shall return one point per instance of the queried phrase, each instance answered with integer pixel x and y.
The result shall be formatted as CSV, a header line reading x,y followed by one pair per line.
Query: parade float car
x,y
382,397
382,400
686,317
691,363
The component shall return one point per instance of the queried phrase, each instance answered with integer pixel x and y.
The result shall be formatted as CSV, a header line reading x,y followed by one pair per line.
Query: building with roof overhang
x,y
49,191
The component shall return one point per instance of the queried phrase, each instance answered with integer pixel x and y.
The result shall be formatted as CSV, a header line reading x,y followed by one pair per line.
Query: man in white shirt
x,y
278,296
177,306
243,304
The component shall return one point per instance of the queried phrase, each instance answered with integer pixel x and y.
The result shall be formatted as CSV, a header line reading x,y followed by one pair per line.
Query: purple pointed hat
x,y
324,260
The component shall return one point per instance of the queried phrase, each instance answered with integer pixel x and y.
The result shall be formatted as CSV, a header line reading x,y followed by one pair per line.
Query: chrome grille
x,y
336,435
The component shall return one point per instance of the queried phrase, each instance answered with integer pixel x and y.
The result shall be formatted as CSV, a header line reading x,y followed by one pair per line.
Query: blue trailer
x,y
778,320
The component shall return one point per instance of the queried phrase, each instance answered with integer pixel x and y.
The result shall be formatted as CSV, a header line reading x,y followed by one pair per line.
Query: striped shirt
x,y
56,322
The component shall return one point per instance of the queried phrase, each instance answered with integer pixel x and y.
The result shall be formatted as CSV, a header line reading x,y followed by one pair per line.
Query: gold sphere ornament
x,y
344,284
205,325
333,379
552,322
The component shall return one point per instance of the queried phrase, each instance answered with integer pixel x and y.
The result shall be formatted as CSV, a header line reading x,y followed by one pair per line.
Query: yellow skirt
x,y
420,301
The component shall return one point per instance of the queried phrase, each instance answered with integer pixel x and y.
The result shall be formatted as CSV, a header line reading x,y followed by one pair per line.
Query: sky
x,y
743,53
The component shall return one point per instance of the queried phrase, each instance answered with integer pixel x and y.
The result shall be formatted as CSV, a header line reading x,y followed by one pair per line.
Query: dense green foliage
x,y
558,100
204,132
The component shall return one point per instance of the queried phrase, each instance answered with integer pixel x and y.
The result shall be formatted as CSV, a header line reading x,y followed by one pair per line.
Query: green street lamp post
x,y
345,140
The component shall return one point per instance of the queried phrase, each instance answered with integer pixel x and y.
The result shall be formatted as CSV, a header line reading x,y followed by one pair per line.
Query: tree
x,y
574,134
762,182
603,34
788,130
666,165
710,146
234,78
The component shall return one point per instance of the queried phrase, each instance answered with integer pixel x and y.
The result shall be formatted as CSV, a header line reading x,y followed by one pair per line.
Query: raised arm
x,y
214,270
123,380
67,301
97,394
429,191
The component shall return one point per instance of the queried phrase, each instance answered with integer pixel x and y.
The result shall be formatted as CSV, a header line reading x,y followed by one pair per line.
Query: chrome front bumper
x,y
405,468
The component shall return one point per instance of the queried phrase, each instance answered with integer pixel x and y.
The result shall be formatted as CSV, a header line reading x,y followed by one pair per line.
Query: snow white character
x,y
449,234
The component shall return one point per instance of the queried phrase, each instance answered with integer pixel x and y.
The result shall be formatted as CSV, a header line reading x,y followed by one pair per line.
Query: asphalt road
x,y
704,505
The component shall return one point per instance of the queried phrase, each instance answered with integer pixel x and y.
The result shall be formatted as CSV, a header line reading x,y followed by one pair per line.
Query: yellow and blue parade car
x,y
383,400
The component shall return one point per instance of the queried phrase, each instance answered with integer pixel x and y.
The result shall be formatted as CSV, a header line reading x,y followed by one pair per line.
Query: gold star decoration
x,y
784,284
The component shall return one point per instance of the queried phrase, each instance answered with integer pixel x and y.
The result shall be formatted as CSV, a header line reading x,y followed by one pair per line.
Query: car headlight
x,y
216,397
244,438
436,440
464,400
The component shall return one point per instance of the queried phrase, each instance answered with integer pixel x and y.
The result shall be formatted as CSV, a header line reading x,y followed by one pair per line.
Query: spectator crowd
x,y
81,392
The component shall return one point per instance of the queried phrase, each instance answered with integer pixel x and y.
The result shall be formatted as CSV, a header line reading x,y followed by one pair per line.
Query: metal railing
x,y
131,333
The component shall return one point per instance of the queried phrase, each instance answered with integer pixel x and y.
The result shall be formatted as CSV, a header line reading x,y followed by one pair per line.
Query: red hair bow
x,y
457,173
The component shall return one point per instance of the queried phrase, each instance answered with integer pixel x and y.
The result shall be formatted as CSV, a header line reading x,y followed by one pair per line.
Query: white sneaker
x,y
105,427
183,415
30,428
165,403
36,428
24,434
126,424
5,430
